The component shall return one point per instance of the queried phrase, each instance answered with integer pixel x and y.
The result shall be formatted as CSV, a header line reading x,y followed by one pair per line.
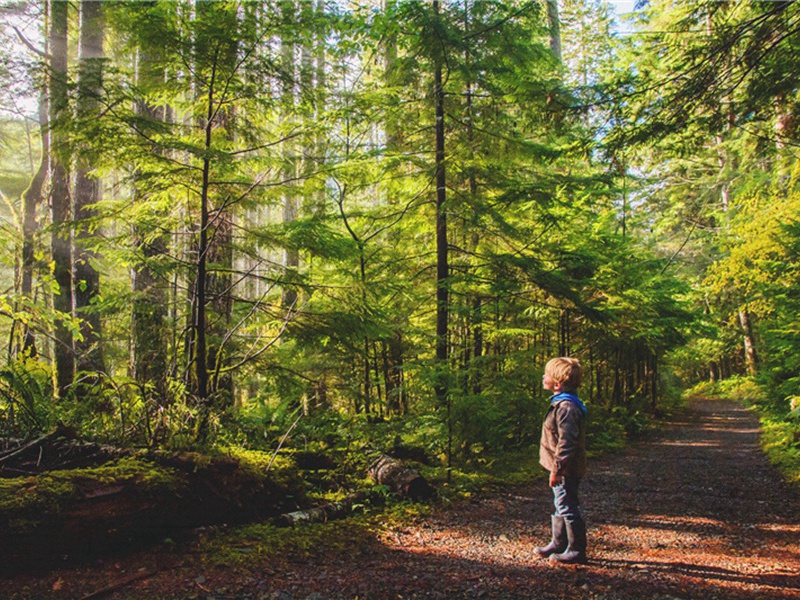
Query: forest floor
x,y
695,511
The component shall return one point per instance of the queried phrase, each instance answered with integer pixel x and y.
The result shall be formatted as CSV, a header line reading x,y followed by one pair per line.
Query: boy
x,y
562,451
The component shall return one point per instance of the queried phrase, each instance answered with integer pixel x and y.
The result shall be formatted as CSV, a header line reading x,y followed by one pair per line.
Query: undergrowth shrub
x,y
703,390
25,398
743,390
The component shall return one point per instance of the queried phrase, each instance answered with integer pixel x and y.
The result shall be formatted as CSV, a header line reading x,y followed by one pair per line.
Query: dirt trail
x,y
696,512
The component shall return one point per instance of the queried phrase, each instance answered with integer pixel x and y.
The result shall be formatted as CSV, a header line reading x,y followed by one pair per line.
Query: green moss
x,y
33,495
262,542
279,468
26,502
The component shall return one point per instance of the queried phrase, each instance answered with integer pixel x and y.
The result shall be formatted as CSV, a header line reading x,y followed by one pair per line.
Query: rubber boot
x,y
559,541
576,547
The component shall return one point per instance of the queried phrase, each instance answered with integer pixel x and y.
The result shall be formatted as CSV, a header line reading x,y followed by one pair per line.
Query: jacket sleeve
x,y
568,419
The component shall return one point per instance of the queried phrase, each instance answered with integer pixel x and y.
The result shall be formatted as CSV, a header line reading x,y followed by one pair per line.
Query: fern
x,y
25,387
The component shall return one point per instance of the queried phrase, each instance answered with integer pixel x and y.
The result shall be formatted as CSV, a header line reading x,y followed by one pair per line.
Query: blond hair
x,y
566,371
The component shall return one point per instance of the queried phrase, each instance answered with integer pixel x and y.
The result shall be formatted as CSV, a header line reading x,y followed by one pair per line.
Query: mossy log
x,y
400,479
132,501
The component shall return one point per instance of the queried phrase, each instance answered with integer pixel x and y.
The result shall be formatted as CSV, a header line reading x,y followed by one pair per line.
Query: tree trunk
x,y
475,319
133,502
291,258
442,257
201,353
32,198
216,59
713,371
60,240
750,354
220,250
86,279
554,27
396,398
149,311
564,332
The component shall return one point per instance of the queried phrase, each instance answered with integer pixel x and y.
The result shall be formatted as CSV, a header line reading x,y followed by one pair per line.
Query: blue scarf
x,y
569,398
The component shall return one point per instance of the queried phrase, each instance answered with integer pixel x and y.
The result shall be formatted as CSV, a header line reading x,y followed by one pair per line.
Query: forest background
x,y
336,226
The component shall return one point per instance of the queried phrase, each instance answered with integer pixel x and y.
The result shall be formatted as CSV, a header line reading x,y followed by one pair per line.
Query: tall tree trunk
x,y
216,63
396,395
149,311
291,258
475,311
713,371
653,372
220,251
201,353
750,354
60,241
564,332
554,26
392,76
32,198
442,256
86,279
320,146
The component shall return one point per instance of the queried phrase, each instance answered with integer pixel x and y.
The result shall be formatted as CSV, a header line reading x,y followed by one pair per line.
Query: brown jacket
x,y
563,446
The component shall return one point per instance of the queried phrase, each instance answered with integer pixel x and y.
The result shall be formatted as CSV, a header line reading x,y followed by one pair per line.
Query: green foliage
x,y
25,398
702,391
781,441
743,390
297,145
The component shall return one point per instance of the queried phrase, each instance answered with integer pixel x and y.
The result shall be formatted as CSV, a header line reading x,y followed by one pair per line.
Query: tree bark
x,y
713,371
216,63
201,354
442,257
60,240
750,354
149,311
475,319
220,250
554,26
86,279
32,198
442,250
291,258
400,479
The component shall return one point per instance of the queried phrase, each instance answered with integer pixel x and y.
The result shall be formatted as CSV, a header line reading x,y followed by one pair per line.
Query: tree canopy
x,y
225,219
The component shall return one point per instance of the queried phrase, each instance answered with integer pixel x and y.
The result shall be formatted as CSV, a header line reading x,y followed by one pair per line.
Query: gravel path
x,y
696,512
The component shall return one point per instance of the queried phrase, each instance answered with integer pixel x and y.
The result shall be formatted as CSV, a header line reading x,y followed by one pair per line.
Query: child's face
x,y
548,383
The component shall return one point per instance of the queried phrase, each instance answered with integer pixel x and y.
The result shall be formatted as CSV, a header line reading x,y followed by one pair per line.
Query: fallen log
x,y
400,479
324,513
132,502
